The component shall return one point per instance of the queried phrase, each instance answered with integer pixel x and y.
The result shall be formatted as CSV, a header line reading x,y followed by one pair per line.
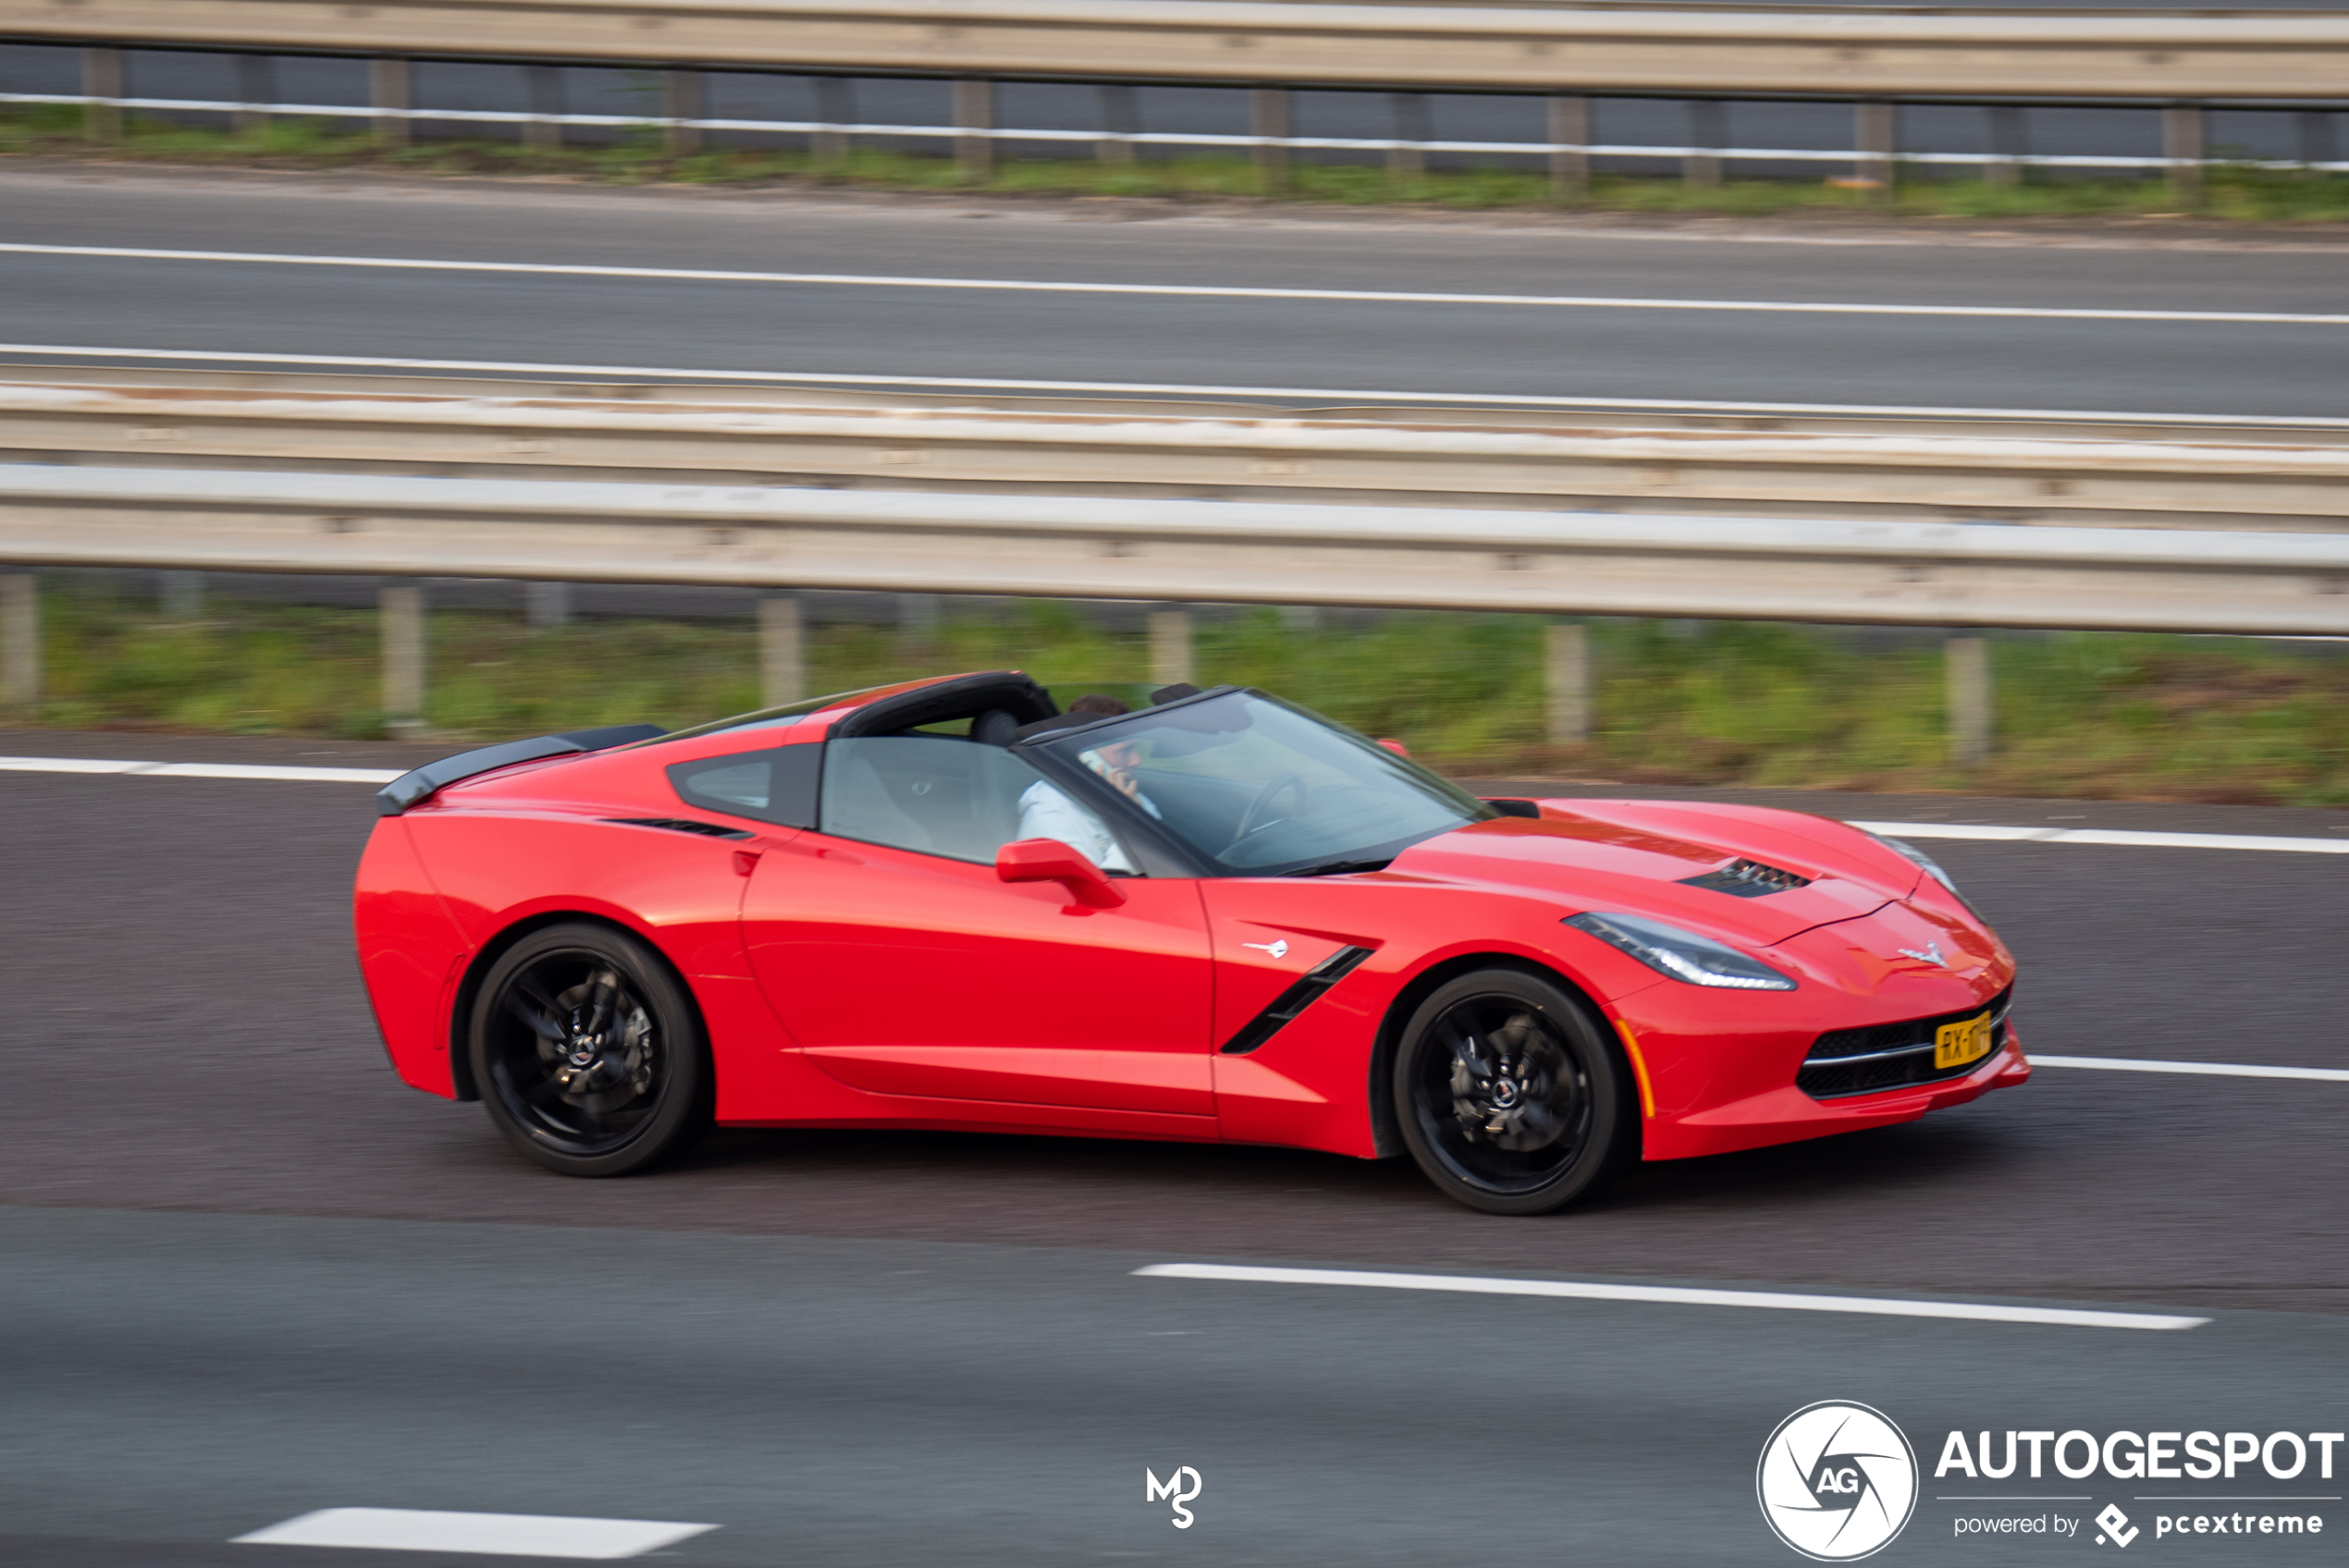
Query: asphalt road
x,y
248,1274
1323,350
245,1274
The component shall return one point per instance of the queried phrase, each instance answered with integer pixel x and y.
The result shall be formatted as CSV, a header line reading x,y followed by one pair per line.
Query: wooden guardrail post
x,y
101,78
1407,162
1268,118
2318,144
1708,121
545,87
1570,117
401,613
918,622
782,650
1170,662
682,95
1121,117
2183,143
974,111
182,595
256,86
2008,141
1968,660
19,641
390,87
835,106
1876,135
546,604
1566,670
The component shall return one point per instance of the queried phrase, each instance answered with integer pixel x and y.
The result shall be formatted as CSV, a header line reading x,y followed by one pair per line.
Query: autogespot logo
x,y
1837,1481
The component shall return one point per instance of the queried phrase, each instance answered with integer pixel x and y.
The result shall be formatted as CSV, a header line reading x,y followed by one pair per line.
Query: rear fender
x,y
409,947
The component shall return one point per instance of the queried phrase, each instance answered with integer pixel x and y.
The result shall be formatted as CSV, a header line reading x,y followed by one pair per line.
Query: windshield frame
x,y
1054,753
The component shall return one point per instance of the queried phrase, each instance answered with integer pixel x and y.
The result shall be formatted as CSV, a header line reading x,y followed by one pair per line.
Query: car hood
x,y
1635,857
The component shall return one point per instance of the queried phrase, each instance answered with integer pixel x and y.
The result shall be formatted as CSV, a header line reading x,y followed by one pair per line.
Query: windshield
x,y
1255,788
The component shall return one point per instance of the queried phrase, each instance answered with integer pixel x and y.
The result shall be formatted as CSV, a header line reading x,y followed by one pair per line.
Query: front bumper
x,y
1716,1092
1788,1115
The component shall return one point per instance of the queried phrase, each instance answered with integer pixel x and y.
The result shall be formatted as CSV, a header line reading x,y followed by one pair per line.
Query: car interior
x,y
931,771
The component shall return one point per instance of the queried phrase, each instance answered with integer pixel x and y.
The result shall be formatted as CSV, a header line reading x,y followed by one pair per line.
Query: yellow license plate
x,y
1954,1045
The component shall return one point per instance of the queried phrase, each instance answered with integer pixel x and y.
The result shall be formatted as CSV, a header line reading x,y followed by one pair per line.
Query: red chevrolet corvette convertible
x,y
1207,915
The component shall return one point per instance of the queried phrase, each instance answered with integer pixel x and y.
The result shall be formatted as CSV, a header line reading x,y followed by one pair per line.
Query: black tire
x,y
1509,1096
588,1053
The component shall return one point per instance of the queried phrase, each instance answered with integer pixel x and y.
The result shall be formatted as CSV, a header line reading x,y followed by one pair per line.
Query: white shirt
x,y
1046,812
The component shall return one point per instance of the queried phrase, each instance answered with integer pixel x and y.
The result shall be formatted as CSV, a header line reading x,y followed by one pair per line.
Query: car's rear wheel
x,y
587,1052
1510,1097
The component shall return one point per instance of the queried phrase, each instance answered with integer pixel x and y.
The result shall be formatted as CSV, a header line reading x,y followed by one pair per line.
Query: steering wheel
x,y
1264,798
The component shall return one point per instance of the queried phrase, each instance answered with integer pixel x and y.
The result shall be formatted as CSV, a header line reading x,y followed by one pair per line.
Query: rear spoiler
x,y
420,784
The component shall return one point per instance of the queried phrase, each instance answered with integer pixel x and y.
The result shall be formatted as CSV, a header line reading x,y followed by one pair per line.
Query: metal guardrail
x,y
1035,498
1931,574
1839,54
2253,478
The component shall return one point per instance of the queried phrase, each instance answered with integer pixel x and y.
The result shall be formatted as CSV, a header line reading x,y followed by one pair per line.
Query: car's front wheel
x,y
588,1054
1508,1095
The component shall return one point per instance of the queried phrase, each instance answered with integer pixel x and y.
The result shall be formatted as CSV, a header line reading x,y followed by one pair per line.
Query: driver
x,y
1046,811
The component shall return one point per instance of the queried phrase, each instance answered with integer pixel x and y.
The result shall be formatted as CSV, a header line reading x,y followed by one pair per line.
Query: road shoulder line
x,y
1572,1290
2199,1069
2126,838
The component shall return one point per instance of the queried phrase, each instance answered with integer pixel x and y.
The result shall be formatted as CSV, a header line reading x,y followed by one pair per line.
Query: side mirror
x,y
1049,860
1398,747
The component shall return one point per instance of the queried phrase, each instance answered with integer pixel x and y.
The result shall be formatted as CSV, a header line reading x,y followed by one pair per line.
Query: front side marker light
x,y
1682,955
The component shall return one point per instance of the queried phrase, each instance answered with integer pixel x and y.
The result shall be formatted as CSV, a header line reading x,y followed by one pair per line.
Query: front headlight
x,y
1683,955
1901,846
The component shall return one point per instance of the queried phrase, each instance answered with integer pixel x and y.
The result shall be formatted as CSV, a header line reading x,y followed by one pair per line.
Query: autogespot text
x,y
2150,1456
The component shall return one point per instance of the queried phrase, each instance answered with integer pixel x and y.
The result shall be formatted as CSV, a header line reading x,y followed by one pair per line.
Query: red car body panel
x,y
905,973
851,983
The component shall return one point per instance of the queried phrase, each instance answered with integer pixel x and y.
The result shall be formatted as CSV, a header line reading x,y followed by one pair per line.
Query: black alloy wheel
x,y
588,1054
1510,1098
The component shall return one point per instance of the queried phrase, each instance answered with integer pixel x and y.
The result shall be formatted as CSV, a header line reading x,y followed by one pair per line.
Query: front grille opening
x,y
1747,879
1891,1056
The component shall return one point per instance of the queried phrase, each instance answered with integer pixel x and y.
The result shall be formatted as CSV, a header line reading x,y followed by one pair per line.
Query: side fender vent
x,y
683,825
1747,879
1295,1000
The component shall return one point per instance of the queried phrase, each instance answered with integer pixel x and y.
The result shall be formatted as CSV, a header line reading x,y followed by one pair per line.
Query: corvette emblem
x,y
1931,955
1278,949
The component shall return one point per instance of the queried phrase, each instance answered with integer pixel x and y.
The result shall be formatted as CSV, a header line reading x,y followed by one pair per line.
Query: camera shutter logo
x,y
1837,1481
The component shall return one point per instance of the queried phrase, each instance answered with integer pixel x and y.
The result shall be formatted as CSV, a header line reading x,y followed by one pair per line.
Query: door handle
x,y
745,862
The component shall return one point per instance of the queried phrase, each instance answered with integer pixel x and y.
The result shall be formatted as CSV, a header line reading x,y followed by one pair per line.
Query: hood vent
x,y
1747,879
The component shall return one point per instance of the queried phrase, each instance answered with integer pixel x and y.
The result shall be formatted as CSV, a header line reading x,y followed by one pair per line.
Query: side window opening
x,y
778,785
941,795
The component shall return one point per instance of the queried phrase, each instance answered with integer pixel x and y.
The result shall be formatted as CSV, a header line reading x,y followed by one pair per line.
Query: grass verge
x,y
2087,715
2235,193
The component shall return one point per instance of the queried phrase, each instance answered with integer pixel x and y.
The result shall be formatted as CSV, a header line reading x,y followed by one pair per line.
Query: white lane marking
x,y
501,1535
1159,388
2129,838
1577,1290
1182,290
2202,1069
197,770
